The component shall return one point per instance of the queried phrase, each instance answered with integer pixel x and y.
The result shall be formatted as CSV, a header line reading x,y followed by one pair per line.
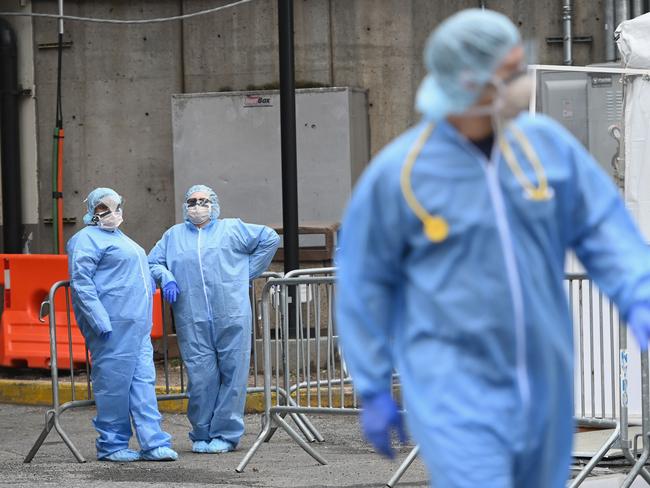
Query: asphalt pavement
x,y
280,463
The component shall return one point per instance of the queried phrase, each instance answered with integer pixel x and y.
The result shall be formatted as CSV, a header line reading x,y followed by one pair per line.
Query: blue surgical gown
x,y
212,267
111,291
478,324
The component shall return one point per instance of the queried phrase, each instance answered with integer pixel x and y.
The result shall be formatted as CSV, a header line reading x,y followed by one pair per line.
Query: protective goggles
x,y
201,202
105,213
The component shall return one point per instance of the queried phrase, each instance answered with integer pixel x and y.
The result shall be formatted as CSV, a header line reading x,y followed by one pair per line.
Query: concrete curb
x,y
39,393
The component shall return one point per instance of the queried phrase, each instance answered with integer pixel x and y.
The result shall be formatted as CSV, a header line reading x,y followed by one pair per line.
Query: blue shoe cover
x,y
200,446
159,454
219,446
122,456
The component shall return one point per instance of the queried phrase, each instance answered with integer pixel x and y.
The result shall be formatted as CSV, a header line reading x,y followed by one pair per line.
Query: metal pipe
x,y
10,141
610,46
288,147
567,36
288,144
637,8
403,467
61,14
622,11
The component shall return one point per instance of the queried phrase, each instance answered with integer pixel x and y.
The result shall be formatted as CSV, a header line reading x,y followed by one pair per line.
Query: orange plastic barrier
x,y
24,341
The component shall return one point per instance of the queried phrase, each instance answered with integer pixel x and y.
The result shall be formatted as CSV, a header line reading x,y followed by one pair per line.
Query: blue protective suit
x,y
213,266
111,291
478,324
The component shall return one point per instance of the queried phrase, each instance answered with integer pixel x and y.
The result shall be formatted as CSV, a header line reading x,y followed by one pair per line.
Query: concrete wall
x,y
117,80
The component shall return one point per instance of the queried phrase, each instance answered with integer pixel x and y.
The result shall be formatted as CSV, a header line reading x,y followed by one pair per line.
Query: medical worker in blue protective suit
x,y
112,300
204,266
451,269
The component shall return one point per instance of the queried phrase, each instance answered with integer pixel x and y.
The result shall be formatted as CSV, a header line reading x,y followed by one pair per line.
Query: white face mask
x,y
199,215
513,97
111,220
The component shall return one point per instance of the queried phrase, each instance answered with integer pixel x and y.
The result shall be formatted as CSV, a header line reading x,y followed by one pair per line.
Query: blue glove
x,y
638,321
171,291
104,336
379,418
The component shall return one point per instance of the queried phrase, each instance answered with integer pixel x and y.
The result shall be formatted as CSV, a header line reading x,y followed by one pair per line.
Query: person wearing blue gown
x,y
204,265
112,292
451,267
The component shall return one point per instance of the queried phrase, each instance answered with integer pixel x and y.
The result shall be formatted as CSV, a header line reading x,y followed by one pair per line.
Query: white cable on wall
x,y
117,21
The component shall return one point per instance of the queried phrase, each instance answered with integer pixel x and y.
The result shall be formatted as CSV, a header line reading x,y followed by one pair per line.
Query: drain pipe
x,y
10,141
622,11
567,36
610,45
637,8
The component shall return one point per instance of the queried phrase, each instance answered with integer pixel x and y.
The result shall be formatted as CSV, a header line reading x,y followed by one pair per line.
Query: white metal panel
x,y
232,144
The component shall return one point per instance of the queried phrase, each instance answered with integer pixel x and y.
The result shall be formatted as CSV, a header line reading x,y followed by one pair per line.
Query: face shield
x,y
512,96
106,210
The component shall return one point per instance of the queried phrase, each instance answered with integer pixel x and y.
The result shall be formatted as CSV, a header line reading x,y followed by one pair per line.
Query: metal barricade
x,y
84,398
602,383
304,371
256,309
291,356
305,362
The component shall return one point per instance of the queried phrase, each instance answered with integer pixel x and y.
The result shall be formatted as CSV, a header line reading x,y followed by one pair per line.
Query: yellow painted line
x,y
39,392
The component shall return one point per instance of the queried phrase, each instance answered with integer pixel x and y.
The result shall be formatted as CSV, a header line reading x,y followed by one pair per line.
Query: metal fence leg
x,y
303,428
302,421
311,427
403,467
67,440
52,421
49,423
593,462
637,469
296,437
262,437
273,429
304,424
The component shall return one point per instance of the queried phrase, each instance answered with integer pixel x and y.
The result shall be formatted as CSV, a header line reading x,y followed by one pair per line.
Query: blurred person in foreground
x,y
451,267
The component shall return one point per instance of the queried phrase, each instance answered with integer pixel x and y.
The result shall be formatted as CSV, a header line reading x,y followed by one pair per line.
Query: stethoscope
x,y
435,227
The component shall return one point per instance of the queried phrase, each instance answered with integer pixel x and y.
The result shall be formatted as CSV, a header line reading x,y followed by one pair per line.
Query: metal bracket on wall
x,y
66,220
25,92
22,92
54,45
578,39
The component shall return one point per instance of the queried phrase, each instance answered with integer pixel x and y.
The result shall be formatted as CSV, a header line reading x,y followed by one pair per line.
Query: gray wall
x,y
118,80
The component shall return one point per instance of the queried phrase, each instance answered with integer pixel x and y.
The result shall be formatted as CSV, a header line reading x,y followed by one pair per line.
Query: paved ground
x,y
281,463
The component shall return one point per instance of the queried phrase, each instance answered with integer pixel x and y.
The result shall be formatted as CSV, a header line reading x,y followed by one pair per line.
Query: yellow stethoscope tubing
x,y
539,192
435,227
